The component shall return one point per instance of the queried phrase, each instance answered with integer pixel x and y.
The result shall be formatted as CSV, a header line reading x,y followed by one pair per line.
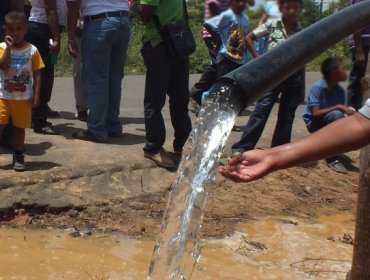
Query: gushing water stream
x,y
177,249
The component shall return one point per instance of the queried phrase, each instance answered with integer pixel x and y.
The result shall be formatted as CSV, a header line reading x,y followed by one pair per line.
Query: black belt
x,y
107,15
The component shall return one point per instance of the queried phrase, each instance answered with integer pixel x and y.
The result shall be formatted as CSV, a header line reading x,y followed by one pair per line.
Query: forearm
x,y
18,5
263,19
73,15
36,84
52,16
339,137
250,45
322,112
5,60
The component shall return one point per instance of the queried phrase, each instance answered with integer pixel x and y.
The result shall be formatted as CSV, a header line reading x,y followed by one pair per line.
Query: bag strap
x,y
185,7
158,24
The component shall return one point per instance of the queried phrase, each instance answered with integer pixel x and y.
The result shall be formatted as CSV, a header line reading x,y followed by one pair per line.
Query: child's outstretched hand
x,y
9,41
248,167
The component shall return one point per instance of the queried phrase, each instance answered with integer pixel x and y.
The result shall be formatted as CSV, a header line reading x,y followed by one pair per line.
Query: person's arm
x,y
52,16
6,57
36,88
250,39
360,57
339,137
147,13
263,19
73,14
17,5
318,113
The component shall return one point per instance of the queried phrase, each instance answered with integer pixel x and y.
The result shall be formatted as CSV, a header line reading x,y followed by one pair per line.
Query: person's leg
x,y
81,105
116,72
289,102
225,67
179,101
257,122
96,48
208,77
158,67
332,117
21,113
39,35
354,88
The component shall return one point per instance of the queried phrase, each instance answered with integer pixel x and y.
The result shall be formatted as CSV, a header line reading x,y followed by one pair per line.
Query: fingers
x,y
236,160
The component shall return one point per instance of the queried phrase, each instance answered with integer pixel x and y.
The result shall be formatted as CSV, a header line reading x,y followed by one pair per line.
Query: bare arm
x,y
263,19
52,15
36,87
319,113
6,58
146,13
18,5
73,14
250,44
339,137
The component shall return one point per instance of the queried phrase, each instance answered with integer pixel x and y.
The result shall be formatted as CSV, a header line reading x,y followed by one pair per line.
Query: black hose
x,y
268,71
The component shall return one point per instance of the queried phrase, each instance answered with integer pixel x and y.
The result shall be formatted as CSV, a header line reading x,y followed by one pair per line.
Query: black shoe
x,y
46,130
86,136
82,116
51,113
18,162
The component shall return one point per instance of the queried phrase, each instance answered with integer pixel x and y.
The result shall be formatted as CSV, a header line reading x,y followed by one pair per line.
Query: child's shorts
x,y
19,110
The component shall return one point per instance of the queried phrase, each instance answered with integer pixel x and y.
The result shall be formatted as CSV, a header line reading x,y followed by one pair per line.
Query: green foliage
x,y
200,59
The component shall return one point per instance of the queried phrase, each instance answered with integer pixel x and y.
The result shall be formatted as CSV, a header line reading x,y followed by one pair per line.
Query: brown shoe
x,y
162,158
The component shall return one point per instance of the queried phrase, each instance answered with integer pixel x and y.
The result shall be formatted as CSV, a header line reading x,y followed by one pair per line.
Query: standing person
x,y
20,64
292,90
47,19
359,44
104,45
166,75
5,7
326,102
230,28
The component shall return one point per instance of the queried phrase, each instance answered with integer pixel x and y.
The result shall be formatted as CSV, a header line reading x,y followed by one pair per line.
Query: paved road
x,y
63,171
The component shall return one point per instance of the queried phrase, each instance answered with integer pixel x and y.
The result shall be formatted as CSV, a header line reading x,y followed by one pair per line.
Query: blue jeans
x,y
165,76
104,47
289,100
324,121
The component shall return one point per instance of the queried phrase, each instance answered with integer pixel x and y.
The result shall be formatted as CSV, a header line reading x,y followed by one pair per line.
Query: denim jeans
x,y
324,121
355,76
289,101
165,76
104,47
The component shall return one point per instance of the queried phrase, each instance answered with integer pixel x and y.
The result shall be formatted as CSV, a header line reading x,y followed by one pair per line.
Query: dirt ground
x,y
112,187
297,192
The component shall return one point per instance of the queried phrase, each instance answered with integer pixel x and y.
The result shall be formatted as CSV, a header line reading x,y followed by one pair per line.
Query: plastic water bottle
x,y
53,57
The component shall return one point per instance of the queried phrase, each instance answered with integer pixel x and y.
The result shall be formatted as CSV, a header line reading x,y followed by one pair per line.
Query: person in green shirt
x,y
166,75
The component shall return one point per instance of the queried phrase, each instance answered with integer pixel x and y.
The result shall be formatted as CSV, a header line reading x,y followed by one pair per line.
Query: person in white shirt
x,y
46,22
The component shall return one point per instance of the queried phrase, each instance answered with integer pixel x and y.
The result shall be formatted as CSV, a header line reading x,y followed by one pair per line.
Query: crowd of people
x,y
98,37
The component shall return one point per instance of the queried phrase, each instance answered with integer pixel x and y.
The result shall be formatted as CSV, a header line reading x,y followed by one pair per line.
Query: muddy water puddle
x,y
275,248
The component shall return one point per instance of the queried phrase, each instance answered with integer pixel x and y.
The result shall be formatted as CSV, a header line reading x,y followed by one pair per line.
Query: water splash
x,y
177,249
